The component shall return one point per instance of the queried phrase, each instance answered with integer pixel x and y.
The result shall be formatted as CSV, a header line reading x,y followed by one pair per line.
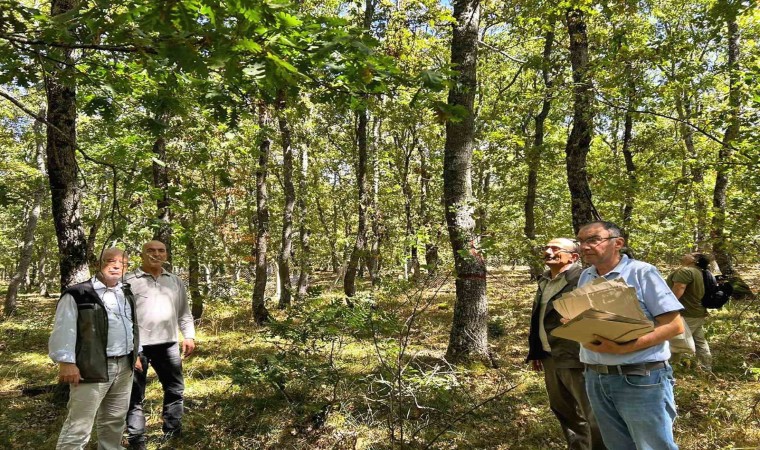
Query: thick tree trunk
x,y
63,170
468,339
304,232
160,170
286,247
32,217
721,249
260,313
349,280
579,141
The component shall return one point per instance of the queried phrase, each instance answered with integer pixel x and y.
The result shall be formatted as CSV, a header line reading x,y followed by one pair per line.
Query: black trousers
x,y
166,361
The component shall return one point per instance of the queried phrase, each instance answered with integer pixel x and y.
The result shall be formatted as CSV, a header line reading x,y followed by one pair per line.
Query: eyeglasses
x,y
593,241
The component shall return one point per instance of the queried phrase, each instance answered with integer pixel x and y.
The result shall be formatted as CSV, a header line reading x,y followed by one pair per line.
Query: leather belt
x,y
117,357
642,369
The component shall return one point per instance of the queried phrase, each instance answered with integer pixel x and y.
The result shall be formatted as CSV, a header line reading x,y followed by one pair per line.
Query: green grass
x,y
327,377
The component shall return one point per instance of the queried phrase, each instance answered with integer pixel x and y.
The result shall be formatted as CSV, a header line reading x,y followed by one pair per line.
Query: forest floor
x,y
324,375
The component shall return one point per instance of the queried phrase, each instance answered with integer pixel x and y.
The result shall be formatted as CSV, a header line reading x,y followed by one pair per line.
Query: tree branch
x,y
109,48
501,52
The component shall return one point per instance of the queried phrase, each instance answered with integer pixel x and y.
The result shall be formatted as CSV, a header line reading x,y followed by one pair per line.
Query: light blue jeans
x,y
634,412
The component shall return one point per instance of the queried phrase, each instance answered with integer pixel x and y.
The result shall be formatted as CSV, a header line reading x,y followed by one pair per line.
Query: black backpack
x,y
717,293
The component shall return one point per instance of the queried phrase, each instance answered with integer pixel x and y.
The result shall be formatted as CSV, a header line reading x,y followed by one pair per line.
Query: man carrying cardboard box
x,y
557,357
630,385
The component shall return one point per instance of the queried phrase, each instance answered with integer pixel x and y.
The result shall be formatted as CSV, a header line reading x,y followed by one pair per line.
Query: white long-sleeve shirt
x,y
162,307
63,339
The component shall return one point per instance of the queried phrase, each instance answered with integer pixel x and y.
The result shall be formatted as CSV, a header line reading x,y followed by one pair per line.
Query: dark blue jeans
x,y
166,361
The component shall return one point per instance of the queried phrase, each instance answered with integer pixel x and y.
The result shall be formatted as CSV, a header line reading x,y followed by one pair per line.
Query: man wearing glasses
x,y
630,385
162,308
557,357
94,342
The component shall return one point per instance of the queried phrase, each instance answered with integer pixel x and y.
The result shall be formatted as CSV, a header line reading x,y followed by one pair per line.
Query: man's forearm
x,y
667,326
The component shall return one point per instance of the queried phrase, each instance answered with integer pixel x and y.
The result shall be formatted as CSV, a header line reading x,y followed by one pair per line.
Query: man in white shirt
x,y
95,342
162,308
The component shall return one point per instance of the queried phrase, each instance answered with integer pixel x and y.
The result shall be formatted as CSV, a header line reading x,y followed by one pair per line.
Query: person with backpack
x,y
687,283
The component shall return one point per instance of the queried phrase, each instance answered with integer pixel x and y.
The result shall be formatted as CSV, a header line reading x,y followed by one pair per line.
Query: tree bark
x,y
721,250
63,170
630,166
303,230
349,280
579,141
684,110
160,170
468,339
260,313
92,235
373,261
431,247
32,217
193,268
286,246
534,156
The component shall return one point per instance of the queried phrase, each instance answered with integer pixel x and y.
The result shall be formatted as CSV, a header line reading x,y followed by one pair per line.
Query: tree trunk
x,y
579,141
721,249
373,261
630,166
193,268
42,273
683,107
412,263
534,156
260,313
331,234
93,256
63,170
160,169
303,231
468,339
31,222
349,280
286,247
431,247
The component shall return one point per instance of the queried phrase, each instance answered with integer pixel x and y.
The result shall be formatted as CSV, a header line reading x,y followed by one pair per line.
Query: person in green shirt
x,y
687,285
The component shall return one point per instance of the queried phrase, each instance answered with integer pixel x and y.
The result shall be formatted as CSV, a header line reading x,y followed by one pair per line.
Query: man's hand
x,y
537,365
138,365
604,345
69,373
188,346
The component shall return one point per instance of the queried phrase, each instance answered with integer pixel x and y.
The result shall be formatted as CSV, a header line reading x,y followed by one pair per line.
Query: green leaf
x,y
281,63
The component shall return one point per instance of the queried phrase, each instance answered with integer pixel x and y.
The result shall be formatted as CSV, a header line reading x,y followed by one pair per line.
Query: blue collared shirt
x,y
655,298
